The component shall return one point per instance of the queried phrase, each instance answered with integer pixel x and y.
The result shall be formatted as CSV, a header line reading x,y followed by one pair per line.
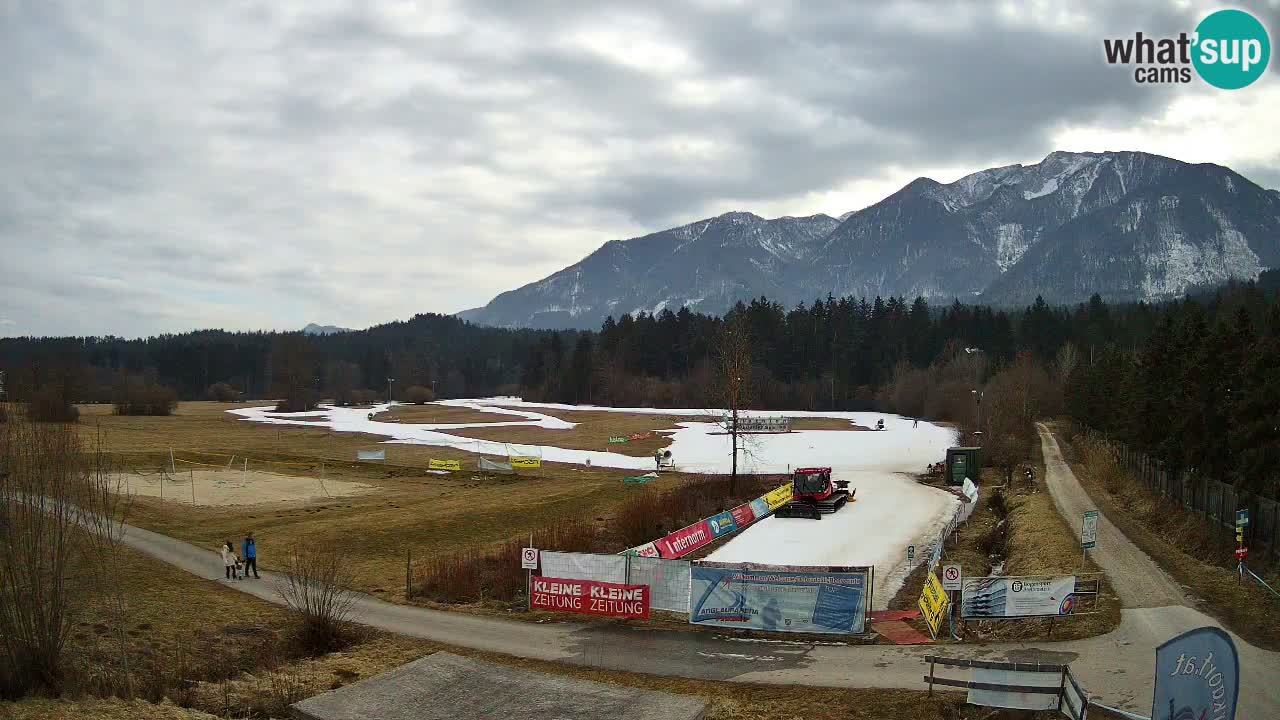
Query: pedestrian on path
x,y
250,554
229,560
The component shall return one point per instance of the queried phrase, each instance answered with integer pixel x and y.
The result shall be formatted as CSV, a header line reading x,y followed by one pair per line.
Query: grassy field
x,y
407,510
1180,543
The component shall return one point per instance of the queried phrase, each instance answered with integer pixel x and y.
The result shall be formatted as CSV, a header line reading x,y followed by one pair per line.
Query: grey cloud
x,y
273,163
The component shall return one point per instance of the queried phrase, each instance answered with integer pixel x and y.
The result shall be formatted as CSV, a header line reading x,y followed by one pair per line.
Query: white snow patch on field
x,y
698,446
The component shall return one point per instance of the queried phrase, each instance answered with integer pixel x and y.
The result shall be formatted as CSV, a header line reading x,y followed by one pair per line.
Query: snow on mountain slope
x,y
1006,234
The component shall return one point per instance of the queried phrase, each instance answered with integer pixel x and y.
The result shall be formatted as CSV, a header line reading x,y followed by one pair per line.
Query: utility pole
x,y
977,412
389,381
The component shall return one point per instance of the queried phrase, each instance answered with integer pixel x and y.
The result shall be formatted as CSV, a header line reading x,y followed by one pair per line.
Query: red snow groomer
x,y
813,493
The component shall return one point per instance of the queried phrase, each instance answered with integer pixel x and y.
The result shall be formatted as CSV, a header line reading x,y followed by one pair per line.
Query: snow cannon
x,y
814,494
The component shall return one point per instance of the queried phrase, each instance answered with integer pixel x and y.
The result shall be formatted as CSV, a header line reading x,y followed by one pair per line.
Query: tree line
x,y
1192,382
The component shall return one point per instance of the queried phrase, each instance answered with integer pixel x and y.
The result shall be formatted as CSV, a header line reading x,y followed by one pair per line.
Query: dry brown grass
x,y
191,607
108,709
1179,541
1039,543
408,510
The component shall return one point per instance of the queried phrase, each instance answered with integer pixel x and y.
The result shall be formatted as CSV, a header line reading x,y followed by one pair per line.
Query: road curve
x,y
1160,607
1115,667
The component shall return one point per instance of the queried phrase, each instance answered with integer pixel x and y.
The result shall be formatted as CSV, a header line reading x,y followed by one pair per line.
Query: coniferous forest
x,y
1195,383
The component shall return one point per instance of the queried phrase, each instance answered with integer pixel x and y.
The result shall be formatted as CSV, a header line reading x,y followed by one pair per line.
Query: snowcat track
x,y
813,510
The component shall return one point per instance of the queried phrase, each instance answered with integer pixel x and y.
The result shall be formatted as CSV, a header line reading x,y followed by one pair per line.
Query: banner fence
x,y
668,580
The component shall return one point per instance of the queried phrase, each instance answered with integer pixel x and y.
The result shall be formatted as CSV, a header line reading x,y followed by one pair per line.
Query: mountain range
x,y
1126,225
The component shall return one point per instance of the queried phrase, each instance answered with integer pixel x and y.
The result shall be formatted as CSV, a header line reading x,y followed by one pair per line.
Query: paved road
x,y
1115,667
1141,583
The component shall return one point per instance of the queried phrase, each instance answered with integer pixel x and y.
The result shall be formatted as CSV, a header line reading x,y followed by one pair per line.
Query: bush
x,y
222,392
315,589
50,404
4,413
301,401
135,396
364,397
418,394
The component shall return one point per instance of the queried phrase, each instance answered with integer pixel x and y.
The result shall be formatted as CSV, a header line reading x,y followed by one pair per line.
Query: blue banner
x,y
722,524
785,599
1197,677
760,508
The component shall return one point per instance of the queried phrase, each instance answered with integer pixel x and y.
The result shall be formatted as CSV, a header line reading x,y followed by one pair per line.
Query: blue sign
x,y
1197,677
722,524
760,508
783,600
1242,518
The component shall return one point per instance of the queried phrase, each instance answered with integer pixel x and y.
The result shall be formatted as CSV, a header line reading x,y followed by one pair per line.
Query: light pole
x,y
389,381
977,413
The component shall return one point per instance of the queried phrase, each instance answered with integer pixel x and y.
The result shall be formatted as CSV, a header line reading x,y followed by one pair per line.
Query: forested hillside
x,y
1196,383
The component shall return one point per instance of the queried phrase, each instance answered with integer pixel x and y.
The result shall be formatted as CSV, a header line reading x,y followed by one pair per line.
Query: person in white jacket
x,y
229,560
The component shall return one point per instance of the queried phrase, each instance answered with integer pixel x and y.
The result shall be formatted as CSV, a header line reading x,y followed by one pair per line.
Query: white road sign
x,y
952,577
911,553
529,559
1089,530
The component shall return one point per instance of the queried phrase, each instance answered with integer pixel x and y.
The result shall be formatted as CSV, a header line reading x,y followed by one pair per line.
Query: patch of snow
x,y
1011,244
1049,186
1229,183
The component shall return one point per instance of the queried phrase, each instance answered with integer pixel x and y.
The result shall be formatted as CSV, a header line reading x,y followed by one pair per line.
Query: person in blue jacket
x,y
249,551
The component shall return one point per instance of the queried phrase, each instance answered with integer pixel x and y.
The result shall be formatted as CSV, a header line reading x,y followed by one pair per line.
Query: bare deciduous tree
x,y
733,382
60,529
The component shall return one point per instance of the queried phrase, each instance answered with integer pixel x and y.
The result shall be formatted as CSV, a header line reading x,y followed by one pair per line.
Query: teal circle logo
x,y
1232,49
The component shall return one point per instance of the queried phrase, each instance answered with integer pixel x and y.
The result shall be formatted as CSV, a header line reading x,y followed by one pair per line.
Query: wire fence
x,y
1214,501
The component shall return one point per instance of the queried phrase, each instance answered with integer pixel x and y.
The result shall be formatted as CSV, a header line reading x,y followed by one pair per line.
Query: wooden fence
x,y
1214,501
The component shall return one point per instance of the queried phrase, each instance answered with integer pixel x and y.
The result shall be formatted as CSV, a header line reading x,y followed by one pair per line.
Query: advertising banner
x,y
933,603
641,435
1015,597
525,461
777,497
617,438
759,508
684,541
1197,676
444,464
589,597
648,550
779,598
1011,698
743,515
722,524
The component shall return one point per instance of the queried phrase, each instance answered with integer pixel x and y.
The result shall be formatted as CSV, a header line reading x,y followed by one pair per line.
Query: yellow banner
x,y
444,464
525,461
778,496
933,603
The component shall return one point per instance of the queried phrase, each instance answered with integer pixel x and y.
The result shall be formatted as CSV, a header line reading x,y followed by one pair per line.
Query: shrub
x,y
301,400
58,510
4,413
50,404
222,392
133,395
418,394
315,590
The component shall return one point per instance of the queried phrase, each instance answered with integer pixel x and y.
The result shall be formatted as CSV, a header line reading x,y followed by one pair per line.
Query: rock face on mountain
x,y
1125,225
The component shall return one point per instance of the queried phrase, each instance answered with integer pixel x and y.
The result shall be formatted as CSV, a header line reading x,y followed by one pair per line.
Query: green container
x,y
963,462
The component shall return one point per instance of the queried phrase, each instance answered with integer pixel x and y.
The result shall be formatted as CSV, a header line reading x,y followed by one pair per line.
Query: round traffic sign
x,y
530,554
952,573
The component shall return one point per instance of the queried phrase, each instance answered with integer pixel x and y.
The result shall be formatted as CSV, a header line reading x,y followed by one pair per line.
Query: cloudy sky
x,y
171,165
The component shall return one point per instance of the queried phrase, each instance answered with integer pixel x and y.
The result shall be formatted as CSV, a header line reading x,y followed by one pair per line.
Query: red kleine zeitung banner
x,y
589,597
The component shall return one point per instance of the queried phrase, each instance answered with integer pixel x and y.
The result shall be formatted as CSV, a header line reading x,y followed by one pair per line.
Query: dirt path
x,y
1135,577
